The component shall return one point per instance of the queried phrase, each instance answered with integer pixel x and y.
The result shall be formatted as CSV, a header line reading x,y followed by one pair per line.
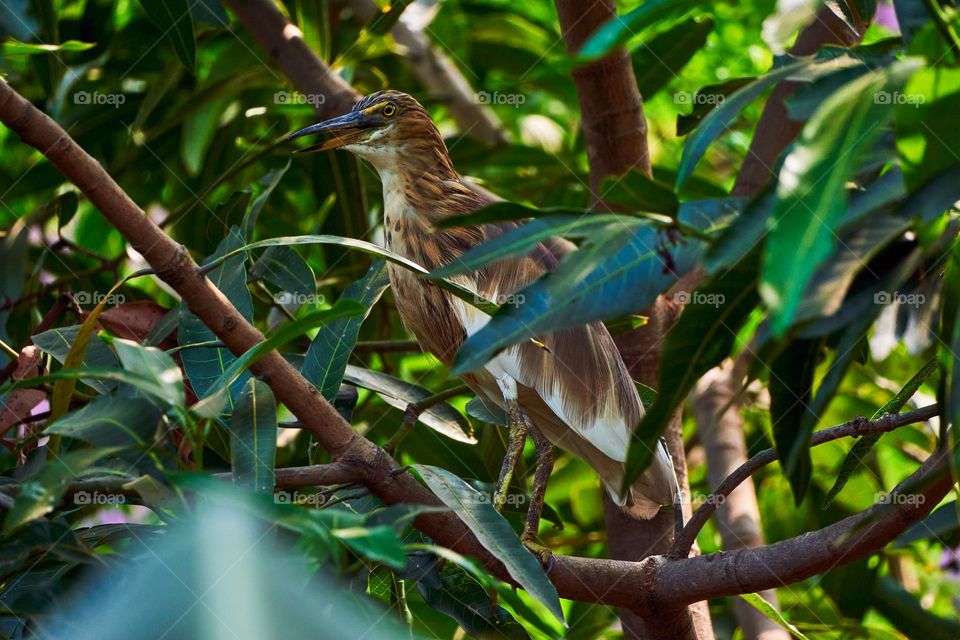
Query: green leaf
x,y
326,359
219,399
285,268
720,118
699,341
366,247
636,191
42,493
147,385
791,390
771,612
812,196
269,182
14,48
941,525
705,100
465,599
204,366
612,274
523,239
16,21
662,57
63,388
199,128
494,532
863,446
478,409
924,115
65,206
175,22
948,332
397,393
377,544
620,29
253,437
57,343
154,364
110,421
210,12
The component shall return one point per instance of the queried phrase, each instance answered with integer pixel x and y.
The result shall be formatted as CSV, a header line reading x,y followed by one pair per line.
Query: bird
x,y
570,388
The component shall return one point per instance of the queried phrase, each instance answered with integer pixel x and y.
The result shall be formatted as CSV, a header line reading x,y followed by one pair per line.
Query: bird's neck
x,y
421,186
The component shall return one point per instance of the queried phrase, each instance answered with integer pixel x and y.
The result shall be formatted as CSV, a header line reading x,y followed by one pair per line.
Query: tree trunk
x,y
615,132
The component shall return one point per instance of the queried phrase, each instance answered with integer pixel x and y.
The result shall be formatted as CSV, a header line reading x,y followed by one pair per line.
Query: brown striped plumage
x,y
576,391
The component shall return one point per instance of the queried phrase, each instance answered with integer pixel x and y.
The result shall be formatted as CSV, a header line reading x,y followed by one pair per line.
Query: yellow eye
x,y
389,110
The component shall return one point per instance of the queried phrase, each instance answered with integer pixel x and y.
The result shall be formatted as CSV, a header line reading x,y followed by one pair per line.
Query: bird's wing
x,y
578,372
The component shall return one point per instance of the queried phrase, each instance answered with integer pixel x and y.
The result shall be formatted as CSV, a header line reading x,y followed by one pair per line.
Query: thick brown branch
x,y
853,429
798,558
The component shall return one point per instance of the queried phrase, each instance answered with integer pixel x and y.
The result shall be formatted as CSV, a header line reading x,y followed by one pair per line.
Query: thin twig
x,y
412,413
855,428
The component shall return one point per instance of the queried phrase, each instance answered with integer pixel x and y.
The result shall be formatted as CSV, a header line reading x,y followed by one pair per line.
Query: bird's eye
x,y
389,110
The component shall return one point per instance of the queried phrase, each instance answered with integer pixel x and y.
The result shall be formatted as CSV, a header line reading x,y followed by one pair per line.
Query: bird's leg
x,y
518,435
544,456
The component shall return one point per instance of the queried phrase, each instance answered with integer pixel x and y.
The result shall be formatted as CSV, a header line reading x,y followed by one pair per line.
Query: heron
x,y
568,389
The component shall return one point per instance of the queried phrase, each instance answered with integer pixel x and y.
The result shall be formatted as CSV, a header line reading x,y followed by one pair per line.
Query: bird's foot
x,y
543,553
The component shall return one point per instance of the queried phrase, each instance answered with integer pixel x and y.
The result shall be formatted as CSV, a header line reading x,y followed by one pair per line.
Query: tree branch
x,y
853,429
806,555
720,427
654,587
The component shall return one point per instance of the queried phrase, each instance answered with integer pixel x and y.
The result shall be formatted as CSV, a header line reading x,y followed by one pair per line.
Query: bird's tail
x,y
657,487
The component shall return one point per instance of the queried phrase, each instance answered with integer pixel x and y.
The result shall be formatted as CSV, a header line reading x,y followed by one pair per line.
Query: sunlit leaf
x,y
772,612
812,196
441,417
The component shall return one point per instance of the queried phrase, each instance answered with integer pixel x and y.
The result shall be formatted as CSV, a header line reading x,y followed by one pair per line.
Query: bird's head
x,y
389,128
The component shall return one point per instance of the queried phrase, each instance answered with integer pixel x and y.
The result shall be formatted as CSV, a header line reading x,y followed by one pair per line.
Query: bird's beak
x,y
346,129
